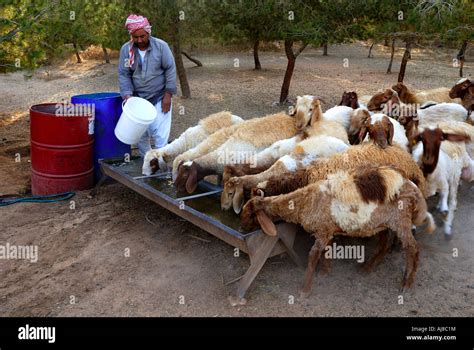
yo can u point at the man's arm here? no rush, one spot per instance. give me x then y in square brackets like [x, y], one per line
[125, 74]
[169, 67]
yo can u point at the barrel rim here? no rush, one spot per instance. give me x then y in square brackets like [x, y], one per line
[45, 114]
[88, 96]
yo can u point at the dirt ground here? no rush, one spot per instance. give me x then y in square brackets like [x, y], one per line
[119, 254]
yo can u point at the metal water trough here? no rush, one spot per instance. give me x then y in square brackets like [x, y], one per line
[203, 210]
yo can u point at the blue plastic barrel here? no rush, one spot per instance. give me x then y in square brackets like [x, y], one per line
[108, 108]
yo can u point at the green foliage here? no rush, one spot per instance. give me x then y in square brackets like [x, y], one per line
[34, 31]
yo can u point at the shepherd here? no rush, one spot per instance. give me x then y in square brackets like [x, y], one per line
[147, 69]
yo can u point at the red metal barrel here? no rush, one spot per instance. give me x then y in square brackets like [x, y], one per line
[61, 149]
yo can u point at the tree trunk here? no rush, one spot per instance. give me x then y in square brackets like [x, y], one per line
[370, 50]
[460, 57]
[106, 54]
[78, 57]
[256, 44]
[285, 88]
[403, 66]
[325, 49]
[180, 71]
[389, 69]
[192, 59]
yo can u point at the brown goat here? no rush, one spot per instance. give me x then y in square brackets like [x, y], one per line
[464, 89]
[380, 99]
[431, 139]
[349, 99]
[381, 132]
[435, 95]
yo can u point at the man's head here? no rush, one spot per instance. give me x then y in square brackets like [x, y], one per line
[141, 38]
[139, 29]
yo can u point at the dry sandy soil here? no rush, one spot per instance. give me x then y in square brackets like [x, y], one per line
[82, 251]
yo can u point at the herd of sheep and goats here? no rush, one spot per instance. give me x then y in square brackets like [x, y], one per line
[362, 168]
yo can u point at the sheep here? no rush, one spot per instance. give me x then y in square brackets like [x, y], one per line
[436, 95]
[464, 89]
[360, 121]
[304, 154]
[357, 203]
[442, 112]
[353, 157]
[382, 98]
[389, 102]
[304, 109]
[249, 137]
[208, 145]
[349, 99]
[162, 158]
[443, 164]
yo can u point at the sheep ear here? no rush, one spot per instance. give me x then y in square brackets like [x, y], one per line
[391, 131]
[154, 165]
[266, 223]
[238, 200]
[363, 133]
[455, 137]
[191, 183]
[316, 115]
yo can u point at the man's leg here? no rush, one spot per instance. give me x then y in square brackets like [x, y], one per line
[160, 128]
[144, 143]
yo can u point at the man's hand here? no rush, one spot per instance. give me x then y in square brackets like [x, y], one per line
[126, 98]
[166, 103]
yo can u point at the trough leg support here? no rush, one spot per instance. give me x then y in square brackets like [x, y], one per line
[257, 258]
[98, 184]
[260, 248]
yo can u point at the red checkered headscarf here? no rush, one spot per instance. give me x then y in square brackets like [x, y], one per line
[133, 23]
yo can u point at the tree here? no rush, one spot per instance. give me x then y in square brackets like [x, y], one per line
[21, 33]
[245, 21]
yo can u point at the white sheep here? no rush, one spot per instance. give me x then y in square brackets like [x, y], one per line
[443, 164]
[304, 110]
[442, 112]
[162, 158]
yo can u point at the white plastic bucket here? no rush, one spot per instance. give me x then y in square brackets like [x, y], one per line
[137, 114]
